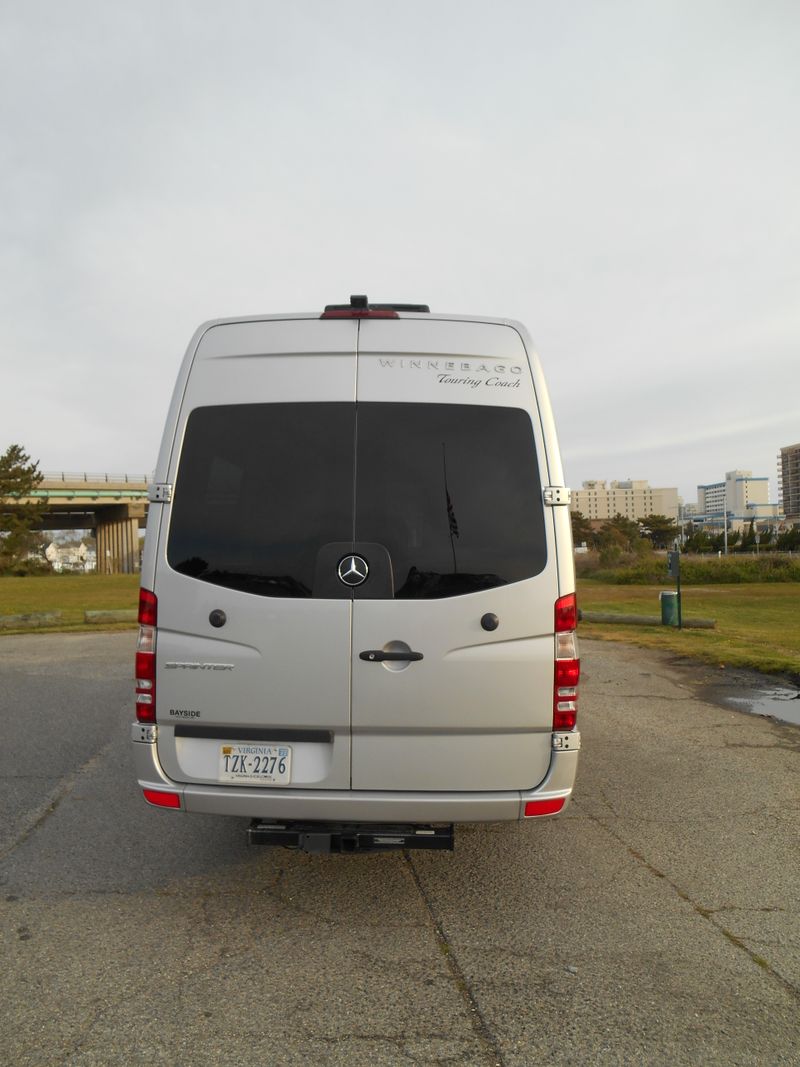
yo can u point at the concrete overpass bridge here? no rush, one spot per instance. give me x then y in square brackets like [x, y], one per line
[113, 506]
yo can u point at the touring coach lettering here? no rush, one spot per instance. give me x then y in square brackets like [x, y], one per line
[445, 379]
[506, 383]
[473, 383]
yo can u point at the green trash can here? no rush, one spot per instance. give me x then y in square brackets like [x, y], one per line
[669, 608]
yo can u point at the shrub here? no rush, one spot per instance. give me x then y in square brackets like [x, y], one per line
[695, 570]
[26, 568]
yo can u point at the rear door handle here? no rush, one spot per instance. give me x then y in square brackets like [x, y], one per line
[377, 656]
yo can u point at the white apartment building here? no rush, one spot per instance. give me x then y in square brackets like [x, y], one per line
[598, 500]
[741, 496]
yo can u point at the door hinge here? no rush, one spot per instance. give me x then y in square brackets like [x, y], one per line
[159, 492]
[567, 742]
[144, 733]
[556, 495]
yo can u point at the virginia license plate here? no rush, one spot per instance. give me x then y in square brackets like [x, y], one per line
[255, 764]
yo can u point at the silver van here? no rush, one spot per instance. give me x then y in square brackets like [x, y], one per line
[357, 614]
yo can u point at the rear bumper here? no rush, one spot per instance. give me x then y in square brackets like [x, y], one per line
[357, 805]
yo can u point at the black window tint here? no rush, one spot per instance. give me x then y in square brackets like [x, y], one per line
[260, 489]
[453, 492]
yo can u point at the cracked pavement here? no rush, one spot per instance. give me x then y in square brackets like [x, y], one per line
[655, 922]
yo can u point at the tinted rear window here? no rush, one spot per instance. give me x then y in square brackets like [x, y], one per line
[451, 491]
[259, 489]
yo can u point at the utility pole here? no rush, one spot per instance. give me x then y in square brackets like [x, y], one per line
[674, 569]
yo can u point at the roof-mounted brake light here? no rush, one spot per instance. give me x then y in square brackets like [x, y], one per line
[357, 313]
[360, 308]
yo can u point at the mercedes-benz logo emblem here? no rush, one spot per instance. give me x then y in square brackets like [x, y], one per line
[353, 570]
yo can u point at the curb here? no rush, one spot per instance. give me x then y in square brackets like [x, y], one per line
[31, 621]
[125, 615]
[645, 620]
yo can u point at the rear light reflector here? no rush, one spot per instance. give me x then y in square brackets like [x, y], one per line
[544, 807]
[162, 799]
[565, 714]
[146, 657]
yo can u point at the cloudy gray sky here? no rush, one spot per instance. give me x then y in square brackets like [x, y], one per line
[621, 176]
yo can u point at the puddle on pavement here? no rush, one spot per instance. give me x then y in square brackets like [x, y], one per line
[776, 701]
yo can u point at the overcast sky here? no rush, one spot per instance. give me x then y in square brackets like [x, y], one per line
[623, 177]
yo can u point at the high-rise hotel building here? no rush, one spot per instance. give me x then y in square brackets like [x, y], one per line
[597, 500]
[789, 483]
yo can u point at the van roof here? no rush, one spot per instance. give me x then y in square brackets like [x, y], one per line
[376, 311]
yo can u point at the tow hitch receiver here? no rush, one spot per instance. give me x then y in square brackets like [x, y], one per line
[349, 837]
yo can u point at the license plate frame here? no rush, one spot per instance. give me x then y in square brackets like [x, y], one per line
[254, 763]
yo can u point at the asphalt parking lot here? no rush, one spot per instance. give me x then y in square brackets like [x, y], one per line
[655, 922]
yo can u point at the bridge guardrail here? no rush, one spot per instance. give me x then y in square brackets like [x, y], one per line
[84, 476]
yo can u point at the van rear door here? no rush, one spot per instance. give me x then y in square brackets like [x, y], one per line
[450, 463]
[250, 648]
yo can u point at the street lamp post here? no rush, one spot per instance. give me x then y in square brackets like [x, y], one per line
[753, 509]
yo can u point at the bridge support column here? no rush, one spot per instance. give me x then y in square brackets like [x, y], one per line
[117, 543]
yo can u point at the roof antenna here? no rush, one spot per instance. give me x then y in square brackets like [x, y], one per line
[359, 302]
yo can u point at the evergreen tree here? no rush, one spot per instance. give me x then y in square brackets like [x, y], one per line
[19, 476]
[581, 528]
[622, 532]
[663, 531]
[789, 540]
[698, 540]
[749, 538]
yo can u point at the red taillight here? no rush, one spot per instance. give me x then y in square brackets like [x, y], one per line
[148, 608]
[544, 807]
[567, 670]
[146, 657]
[566, 613]
[162, 799]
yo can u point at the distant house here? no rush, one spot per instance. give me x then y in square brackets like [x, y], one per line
[80, 559]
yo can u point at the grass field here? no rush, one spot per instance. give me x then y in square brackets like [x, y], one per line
[758, 625]
[72, 595]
